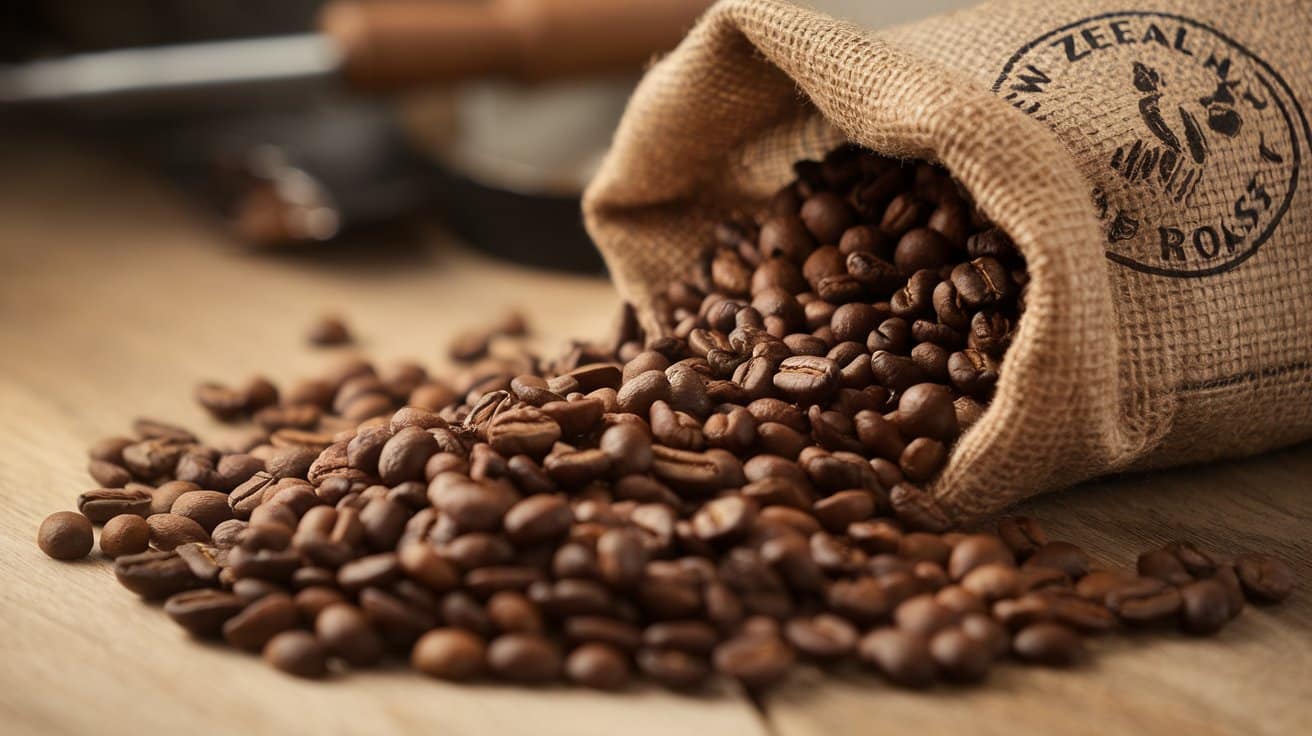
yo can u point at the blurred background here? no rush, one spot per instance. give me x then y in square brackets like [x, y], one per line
[304, 126]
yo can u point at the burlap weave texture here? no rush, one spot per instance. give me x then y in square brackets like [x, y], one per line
[1147, 158]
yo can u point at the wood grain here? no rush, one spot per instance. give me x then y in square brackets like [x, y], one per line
[116, 297]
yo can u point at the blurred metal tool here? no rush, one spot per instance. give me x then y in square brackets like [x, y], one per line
[383, 45]
[507, 107]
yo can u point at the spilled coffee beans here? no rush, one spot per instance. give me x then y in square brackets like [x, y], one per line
[739, 493]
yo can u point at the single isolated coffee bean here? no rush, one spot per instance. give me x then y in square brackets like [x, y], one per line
[65, 535]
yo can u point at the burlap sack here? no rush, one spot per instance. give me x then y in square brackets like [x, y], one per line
[1145, 156]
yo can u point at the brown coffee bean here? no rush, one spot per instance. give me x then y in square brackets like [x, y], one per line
[537, 519]
[988, 632]
[171, 530]
[297, 653]
[923, 615]
[261, 621]
[1048, 644]
[724, 518]
[375, 571]
[1142, 600]
[1062, 556]
[978, 550]
[1204, 607]
[598, 666]
[901, 656]
[1023, 535]
[993, 581]
[108, 474]
[346, 632]
[807, 379]
[756, 660]
[959, 656]
[126, 534]
[154, 575]
[65, 535]
[525, 430]
[973, 372]
[524, 658]
[917, 509]
[1164, 566]
[921, 248]
[1264, 578]
[422, 563]
[103, 504]
[922, 459]
[824, 637]
[404, 455]
[206, 508]
[203, 612]
[328, 329]
[673, 669]
[455, 654]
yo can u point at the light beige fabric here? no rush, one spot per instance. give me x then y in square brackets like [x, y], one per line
[1118, 143]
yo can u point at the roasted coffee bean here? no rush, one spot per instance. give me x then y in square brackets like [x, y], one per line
[1204, 607]
[1164, 566]
[525, 431]
[328, 330]
[171, 530]
[901, 656]
[206, 508]
[756, 660]
[917, 509]
[921, 248]
[1061, 556]
[1264, 578]
[451, 654]
[1023, 535]
[824, 637]
[673, 669]
[65, 535]
[982, 282]
[807, 379]
[101, 505]
[598, 666]
[973, 372]
[261, 621]
[741, 482]
[1142, 600]
[724, 518]
[976, 551]
[922, 459]
[923, 615]
[537, 519]
[108, 474]
[126, 534]
[203, 612]
[524, 658]
[959, 656]
[297, 653]
[346, 633]
[1048, 644]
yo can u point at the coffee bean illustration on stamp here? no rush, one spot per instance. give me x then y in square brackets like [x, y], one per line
[1194, 161]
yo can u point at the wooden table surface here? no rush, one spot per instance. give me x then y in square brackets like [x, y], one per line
[117, 296]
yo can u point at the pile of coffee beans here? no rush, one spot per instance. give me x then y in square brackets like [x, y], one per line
[737, 491]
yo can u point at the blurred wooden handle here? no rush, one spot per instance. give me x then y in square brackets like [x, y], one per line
[395, 43]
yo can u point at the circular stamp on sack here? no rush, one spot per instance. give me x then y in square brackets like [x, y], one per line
[1192, 141]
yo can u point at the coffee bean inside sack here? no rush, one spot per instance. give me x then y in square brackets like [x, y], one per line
[738, 493]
